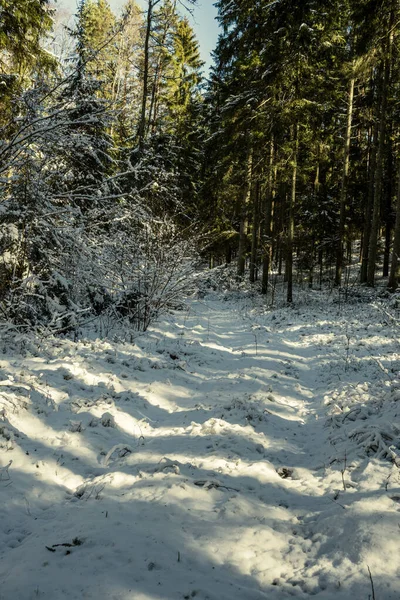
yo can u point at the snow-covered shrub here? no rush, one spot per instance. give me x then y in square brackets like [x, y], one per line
[80, 241]
[148, 273]
[41, 213]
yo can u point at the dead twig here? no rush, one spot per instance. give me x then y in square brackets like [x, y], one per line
[344, 470]
[336, 502]
[372, 584]
[213, 485]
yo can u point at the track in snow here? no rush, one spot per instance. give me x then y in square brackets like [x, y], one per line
[195, 464]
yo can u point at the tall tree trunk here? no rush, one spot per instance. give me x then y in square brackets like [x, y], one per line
[317, 185]
[152, 118]
[321, 265]
[290, 231]
[145, 82]
[255, 232]
[241, 258]
[376, 208]
[369, 204]
[394, 275]
[279, 224]
[373, 240]
[267, 221]
[389, 177]
[155, 92]
[343, 188]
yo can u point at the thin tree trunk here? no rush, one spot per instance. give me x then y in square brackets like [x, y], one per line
[394, 275]
[154, 102]
[255, 233]
[376, 208]
[316, 194]
[373, 240]
[142, 120]
[241, 258]
[388, 239]
[151, 121]
[343, 189]
[321, 266]
[368, 207]
[279, 226]
[390, 176]
[267, 222]
[290, 232]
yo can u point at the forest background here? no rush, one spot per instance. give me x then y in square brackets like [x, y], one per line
[122, 169]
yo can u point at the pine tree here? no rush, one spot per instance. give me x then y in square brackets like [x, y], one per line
[88, 151]
[126, 86]
[183, 75]
[98, 26]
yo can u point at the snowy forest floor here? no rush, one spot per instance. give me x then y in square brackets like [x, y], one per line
[230, 453]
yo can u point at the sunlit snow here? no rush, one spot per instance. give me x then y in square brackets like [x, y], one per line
[230, 453]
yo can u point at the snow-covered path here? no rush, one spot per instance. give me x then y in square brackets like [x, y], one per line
[221, 457]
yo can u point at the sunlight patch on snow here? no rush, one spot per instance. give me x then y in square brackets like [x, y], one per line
[48, 471]
[218, 427]
[117, 480]
[128, 424]
[52, 473]
[171, 335]
[256, 550]
[44, 435]
[277, 355]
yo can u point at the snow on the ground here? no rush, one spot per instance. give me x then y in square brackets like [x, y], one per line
[231, 453]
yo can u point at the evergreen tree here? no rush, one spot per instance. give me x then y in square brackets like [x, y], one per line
[22, 28]
[183, 75]
[88, 150]
[98, 30]
[126, 87]
[274, 64]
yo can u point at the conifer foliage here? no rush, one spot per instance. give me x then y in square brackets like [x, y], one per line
[303, 144]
